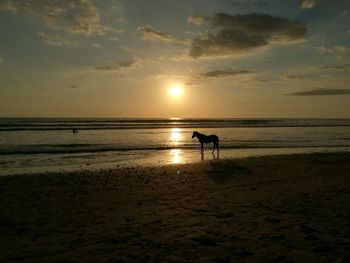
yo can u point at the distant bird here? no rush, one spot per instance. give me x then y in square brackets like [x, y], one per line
[207, 139]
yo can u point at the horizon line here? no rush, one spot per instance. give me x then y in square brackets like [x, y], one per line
[160, 118]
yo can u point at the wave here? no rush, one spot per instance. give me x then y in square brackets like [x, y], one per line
[40, 124]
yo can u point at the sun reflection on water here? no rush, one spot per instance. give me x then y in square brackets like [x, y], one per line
[175, 136]
[175, 139]
[175, 156]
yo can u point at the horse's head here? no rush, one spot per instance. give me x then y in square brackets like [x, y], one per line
[194, 134]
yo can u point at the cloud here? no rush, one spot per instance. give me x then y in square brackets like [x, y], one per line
[264, 80]
[191, 83]
[343, 66]
[223, 73]
[341, 49]
[113, 38]
[117, 68]
[235, 34]
[52, 39]
[9, 6]
[322, 92]
[324, 50]
[96, 45]
[335, 49]
[249, 4]
[308, 4]
[295, 77]
[14, 7]
[197, 20]
[74, 86]
[75, 16]
[125, 48]
[150, 33]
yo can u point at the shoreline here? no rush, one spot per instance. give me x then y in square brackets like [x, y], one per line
[66, 163]
[271, 208]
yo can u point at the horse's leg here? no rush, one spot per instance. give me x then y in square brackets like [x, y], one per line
[213, 146]
[202, 151]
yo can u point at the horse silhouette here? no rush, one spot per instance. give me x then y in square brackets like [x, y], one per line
[207, 139]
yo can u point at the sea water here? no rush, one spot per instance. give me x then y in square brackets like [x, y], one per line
[31, 145]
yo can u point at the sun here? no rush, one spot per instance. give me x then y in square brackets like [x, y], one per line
[175, 91]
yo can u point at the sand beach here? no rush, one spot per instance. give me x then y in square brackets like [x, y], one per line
[287, 208]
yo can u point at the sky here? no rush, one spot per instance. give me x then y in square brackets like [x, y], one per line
[229, 58]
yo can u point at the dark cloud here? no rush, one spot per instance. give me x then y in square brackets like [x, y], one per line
[232, 34]
[261, 24]
[223, 73]
[74, 86]
[226, 42]
[321, 92]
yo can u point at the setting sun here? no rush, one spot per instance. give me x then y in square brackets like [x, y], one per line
[175, 91]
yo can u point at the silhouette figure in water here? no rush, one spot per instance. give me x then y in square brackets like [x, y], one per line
[207, 139]
[75, 131]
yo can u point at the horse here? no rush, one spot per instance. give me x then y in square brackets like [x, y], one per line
[207, 139]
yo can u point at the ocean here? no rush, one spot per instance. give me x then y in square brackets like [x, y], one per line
[37, 145]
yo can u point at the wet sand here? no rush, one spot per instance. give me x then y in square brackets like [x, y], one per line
[287, 208]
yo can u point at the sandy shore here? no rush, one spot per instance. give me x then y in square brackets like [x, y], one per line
[290, 208]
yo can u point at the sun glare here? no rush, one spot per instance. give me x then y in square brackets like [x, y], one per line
[175, 91]
[175, 135]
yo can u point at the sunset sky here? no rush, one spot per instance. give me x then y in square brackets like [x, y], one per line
[228, 58]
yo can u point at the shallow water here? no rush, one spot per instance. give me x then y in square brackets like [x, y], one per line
[39, 145]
